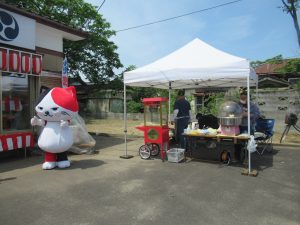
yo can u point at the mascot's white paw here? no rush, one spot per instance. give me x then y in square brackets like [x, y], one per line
[63, 164]
[64, 123]
[36, 121]
[49, 165]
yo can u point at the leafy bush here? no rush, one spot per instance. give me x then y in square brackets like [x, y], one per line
[134, 107]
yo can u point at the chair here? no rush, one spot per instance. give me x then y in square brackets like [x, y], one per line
[264, 130]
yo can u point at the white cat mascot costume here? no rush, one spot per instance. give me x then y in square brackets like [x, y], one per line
[55, 109]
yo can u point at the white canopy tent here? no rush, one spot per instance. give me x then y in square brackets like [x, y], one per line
[195, 65]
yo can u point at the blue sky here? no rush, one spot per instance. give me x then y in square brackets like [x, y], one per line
[252, 29]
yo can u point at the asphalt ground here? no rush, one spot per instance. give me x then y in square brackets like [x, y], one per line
[102, 188]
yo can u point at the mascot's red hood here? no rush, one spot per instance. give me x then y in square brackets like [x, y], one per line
[65, 97]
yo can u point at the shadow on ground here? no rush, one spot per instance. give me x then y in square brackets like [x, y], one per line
[12, 160]
[7, 179]
[264, 161]
[85, 164]
[105, 141]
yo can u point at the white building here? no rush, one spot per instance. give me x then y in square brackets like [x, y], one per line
[31, 55]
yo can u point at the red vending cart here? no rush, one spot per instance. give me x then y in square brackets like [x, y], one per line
[156, 130]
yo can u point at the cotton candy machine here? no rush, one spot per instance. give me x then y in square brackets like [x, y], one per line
[230, 118]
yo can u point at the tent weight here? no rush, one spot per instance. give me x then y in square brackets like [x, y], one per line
[253, 173]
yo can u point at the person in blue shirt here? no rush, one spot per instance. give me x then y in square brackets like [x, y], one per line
[254, 112]
[182, 116]
[254, 115]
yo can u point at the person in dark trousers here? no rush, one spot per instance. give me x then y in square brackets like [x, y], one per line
[182, 116]
[254, 112]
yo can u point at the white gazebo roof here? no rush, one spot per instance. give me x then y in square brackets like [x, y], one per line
[194, 65]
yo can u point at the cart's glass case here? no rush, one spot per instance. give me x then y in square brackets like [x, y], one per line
[156, 112]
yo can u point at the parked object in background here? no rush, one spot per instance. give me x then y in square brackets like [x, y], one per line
[263, 134]
[291, 119]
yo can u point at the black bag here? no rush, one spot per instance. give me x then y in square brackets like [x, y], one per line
[206, 121]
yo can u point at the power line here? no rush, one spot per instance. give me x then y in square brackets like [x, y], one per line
[100, 5]
[175, 17]
[87, 22]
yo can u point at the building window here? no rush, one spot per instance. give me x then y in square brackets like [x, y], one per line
[199, 104]
[15, 102]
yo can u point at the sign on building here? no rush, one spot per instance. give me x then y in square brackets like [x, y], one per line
[17, 30]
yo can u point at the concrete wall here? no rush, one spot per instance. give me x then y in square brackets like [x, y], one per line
[117, 116]
[95, 106]
[275, 104]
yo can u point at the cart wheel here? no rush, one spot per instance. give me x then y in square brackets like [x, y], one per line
[225, 157]
[154, 149]
[144, 152]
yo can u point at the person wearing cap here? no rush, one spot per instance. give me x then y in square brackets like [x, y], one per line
[254, 112]
[182, 116]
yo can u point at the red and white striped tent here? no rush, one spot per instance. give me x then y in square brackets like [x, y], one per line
[17, 140]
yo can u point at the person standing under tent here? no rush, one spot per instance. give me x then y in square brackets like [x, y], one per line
[254, 112]
[182, 116]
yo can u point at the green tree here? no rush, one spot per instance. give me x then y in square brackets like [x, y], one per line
[275, 60]
[291, 7]
[289, 66]
[94, 57]
[292, 66]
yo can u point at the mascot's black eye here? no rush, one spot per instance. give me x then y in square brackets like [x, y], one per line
[40, 108]
[55, 108]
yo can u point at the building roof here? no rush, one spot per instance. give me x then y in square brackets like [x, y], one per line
[268, 69]
[272, 82]
[76, 34]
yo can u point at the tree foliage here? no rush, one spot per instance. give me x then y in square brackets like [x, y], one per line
[94, 57]
[290, 66]
[291, 7]
[275, 60]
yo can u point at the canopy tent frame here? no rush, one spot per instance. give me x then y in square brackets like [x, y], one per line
[175, 72]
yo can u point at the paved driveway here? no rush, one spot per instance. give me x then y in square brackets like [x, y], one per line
[104, 189]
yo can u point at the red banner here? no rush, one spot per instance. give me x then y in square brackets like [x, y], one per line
[16, 140]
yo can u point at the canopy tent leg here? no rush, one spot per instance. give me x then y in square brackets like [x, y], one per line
[248, 111]
[126, 156]
[245, 171]
[170, 88]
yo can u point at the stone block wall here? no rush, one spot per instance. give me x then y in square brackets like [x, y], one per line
[275, 104]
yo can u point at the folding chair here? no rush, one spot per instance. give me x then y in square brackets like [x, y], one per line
[264, 130]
